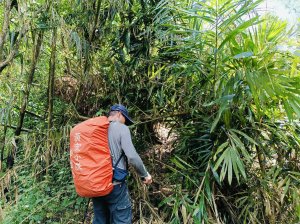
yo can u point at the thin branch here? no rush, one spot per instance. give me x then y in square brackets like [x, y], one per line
[10, 57]
[14, 127]
[30, 113]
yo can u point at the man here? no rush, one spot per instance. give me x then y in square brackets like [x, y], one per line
[116, 207]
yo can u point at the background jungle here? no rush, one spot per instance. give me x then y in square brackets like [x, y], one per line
[213, 85]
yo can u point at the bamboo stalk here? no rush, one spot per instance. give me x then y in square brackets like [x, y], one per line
[36, 52]
[5, 26]
[51, 96]
[35, 56]
[3, 146]
[51, 78]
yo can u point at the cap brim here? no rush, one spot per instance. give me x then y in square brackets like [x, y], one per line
[128, 120]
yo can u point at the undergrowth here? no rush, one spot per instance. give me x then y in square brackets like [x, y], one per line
[42, 191]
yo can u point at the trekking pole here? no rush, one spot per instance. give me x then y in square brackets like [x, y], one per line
[86, 211]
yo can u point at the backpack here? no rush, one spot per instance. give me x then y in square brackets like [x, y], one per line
[90, 158]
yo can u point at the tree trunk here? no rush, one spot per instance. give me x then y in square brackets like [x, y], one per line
[36, 52]
[5, 26]
[50, 97]
[51, 79]
[68, 70]
[96, 21]
[5, 61]
[3, 146]
[261, 159]
[87, 63]
[86, 69]
[35, 56]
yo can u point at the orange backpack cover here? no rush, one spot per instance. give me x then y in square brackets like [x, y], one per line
[90, 158]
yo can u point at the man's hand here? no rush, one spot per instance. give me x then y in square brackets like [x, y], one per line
[147, 179]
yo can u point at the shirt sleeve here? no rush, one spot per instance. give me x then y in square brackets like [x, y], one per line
[133, 158]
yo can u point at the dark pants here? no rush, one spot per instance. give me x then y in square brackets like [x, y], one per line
[114, 208]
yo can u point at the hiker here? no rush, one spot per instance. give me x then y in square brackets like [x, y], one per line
[116, 207]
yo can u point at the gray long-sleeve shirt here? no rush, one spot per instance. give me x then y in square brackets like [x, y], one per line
[119, 139]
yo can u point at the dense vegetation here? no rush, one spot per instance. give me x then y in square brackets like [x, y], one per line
[210, 75]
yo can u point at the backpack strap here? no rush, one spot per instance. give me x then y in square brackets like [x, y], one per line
[123, 154]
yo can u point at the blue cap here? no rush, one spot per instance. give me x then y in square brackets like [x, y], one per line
[124, 111]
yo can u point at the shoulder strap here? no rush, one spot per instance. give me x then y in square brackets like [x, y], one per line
[123, 154]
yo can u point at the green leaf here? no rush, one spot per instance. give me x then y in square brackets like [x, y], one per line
[246, 54]
[221, 158]
[240, 165]
[288, 109]
[237, 142]
[77, 41]
[216, 121]
[285, 189]
[238, 30]
[180, 163]
[229, 162]
[234, 158]
[215, 174]
[220, 149]
[295, 106]
[297, 53]
[244, 135]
